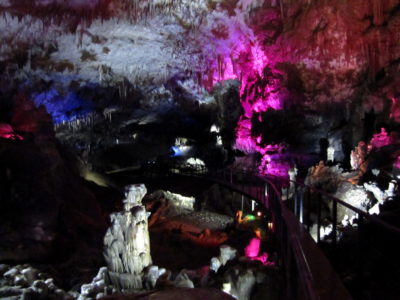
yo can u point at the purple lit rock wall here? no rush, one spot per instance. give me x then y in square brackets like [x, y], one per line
[315, 55]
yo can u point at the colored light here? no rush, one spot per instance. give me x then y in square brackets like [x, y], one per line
[250, 218]
[253, 248]
[7, 132]
[381, 139]
[397, 163]
[176, 151]
[63, 108]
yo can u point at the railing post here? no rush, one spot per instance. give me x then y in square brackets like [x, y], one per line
[255, 189]
[301, 205]
[334, 229]
[319, 204]
[308, 193]
[295, 201]
[360, 248]
[287, 261]
[288, 192]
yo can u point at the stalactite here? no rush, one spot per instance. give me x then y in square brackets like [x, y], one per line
[56, 13]
[219, 67]
[377, 9]
[282, 9]
[388, 55]
[379, 51]
[123, 89]
[370, 57]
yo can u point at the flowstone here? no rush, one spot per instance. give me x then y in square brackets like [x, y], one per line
[127, 242]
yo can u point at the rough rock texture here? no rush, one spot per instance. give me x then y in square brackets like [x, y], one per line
[380, 195]
[167, 204]
[99, 287]
[182, 281]
[26, 282]
[241, 285]
[354, 195]
[246, 280]
[47, 212]
[358, 156]
[151, 276]
[127, 242]
[229, 109]
[226, 253]
[324, 177]
[335, 54]
[303, 57]
[207, 219]
[330, 47]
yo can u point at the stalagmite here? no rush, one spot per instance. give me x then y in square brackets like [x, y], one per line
[226, 253]
[330, 153]
[127, 242]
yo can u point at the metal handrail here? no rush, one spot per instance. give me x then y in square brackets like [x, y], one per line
[290, 239]
[372, 218]
[305, 194]
[302, 192]
[271, 178]
[299, 255]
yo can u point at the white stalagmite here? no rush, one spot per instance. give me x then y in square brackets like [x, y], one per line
[127, 242]
[381, 196]
[226, 253]
[330, 154]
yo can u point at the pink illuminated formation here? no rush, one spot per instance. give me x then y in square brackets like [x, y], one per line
[224, 70]
[241, 56]
[274, 164]
[397, 162]
[257, 96]
[395, 110]
[381, 139]
[253, 248]
[252, 251]
[7, 132]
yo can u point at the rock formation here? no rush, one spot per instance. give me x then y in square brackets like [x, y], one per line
[358, 155]
[26, 282]
[226, 253]
[99, 287]
[127, 242]
[151, 276]
[354, 195]
[380, 195]
[240, 283]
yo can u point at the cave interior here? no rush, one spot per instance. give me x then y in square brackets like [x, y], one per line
[141, 142]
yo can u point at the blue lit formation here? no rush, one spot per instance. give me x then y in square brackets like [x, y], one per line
[63, 108]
